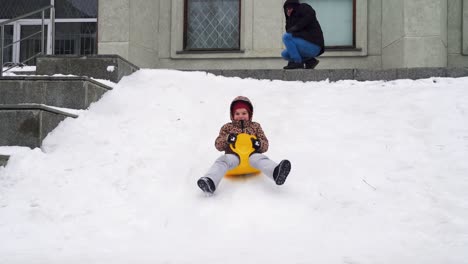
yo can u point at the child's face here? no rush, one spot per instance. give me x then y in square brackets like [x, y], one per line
[241, 114]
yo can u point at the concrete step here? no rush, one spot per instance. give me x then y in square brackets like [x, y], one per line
[29, 73]
[107, 67]
[65, 92]
[28, 124]
[343, 74]
[4, 160]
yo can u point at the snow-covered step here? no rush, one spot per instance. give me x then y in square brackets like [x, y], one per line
[3, 160]
[107, 67]
[343, 74]
[60, 91]
[28, 73]
[28, 124]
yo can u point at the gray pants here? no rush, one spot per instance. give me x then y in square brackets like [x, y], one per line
[230, 161]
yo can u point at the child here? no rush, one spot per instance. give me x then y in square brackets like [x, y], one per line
[241, 117]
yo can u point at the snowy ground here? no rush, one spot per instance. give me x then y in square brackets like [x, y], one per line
[380, 175]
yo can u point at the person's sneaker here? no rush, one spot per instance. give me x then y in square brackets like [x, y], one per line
[206, 184]
[293, 65]
[311, 63]
[281, 172]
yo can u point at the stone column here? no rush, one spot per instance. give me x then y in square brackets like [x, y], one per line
[114, 27]
[414, 33]
[144, 23]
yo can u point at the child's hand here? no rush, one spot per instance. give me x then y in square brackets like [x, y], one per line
[232, 138]
[255, 143]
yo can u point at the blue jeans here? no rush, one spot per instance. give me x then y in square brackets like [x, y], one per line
[297, 49]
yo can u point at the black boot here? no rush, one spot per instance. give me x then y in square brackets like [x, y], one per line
[281, 172]
[293, 65]
[311, 63]
[206, 184]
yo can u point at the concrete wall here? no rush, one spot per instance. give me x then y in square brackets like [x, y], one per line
[345, 74]
[414, 33]
[130, 29]
[66, 92]
[4, 160]
[389, 34]
[27, 125]
[106, 67]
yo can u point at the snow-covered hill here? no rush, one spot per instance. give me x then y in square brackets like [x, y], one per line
[379, 175]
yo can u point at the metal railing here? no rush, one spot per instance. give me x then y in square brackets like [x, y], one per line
[42, 32]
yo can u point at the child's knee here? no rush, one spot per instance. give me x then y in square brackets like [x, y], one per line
[232, 160]
[254, 158]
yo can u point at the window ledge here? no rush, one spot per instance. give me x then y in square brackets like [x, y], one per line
[344, 52]
[266, 54]
[342, 49]
[209, 52]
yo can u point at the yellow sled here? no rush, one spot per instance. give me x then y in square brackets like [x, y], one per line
[243, 148]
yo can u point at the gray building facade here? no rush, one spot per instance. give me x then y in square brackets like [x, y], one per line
[382, 34]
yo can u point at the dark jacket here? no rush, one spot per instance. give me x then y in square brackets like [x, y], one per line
[237, 127]
[303, 23]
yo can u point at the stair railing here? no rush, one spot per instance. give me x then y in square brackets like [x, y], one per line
[42, 32]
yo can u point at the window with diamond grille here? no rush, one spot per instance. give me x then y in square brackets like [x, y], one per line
[212, 24]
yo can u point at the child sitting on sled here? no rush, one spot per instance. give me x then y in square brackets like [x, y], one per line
[241, 116]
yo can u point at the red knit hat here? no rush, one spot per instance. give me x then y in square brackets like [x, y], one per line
[241, 104]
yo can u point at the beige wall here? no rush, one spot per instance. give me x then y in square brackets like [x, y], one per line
[390, 33]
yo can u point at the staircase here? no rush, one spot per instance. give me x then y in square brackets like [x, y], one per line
[32, 106]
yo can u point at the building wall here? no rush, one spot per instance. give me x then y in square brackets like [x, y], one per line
[389, 34]
[457, 33]
[415, 33]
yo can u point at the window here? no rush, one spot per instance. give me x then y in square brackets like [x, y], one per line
[76, 8]
[13, 8]
[8, 52]
[75, 28]
[212, 25]
[32, 46]
[75, 38]
[337, 19]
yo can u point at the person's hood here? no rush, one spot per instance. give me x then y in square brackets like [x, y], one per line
[245, 100]
[291, 2]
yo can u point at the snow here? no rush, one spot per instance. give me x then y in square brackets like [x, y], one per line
[21, 69]
[379, 175]
[110, 68]
[105, 82]
[12, 150]
[66, 110]
[33, 68]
